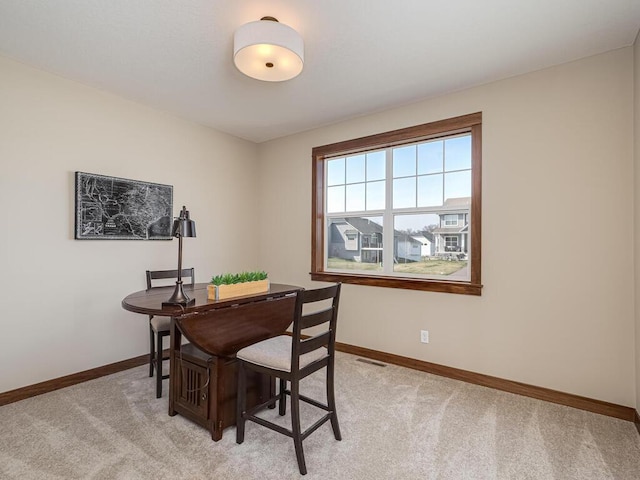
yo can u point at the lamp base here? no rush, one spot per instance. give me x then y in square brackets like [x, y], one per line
[179, 297]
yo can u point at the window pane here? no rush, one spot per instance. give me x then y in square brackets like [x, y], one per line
[457, 153]
[376, 166]
[404, 192]
[416, 223]
[421, 248]
[430, 157]
[430, 191]
[355, 169]
[355, 243]
[335, 199]
[404, 161]
[335, 171]
[355, 197]
[375, 196]
[457, 185]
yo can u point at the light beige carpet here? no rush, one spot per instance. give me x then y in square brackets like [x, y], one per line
[396, 424]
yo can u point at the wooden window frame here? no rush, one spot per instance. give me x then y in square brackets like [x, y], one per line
[471, 123]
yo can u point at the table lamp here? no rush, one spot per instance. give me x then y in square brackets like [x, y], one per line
[183, 226]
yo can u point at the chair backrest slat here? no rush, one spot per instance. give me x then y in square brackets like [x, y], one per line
[164, 274]
[316, 318]
[327, 317]
[318, 294]
[310, 344]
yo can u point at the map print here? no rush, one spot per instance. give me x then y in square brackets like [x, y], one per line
[120, 209]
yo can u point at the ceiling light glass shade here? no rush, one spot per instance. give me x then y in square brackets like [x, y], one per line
[268, 50]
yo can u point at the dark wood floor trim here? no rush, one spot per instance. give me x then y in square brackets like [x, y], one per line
[62, 382]
[637, 421]
[541, 393]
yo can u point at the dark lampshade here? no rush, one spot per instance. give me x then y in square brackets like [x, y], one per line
[183, 226]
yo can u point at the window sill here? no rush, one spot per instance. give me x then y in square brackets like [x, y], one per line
[462, 288]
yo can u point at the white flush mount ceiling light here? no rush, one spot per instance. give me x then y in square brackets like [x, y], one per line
[268, 50]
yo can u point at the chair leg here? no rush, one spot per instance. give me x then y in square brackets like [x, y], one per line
[152, 351]
[331, 402]
[295, 425]
[240, 403]
[282, 397]
[159, 366]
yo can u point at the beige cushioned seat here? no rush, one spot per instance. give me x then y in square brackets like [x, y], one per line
[160, 324]
[276, 353]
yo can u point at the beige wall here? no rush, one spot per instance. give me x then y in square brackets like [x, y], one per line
[557, 309]
[61, 297]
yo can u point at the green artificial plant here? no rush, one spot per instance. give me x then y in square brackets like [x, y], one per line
[243, 277]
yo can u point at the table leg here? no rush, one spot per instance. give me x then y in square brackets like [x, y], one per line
[174, 347]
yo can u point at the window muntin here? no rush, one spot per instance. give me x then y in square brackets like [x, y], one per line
[355, 244]
[407, 180]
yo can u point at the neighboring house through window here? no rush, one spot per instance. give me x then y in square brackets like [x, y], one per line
[401, 209]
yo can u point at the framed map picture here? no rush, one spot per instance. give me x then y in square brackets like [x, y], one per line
[111, 208]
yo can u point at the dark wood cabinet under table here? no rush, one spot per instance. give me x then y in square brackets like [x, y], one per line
[205, 389]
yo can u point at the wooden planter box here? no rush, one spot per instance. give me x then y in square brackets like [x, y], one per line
[220, 292]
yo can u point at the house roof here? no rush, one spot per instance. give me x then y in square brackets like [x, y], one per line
[455, 205]
[457, 202]
[364, 225]
[421, 238]
[428, 235]
[450, 230]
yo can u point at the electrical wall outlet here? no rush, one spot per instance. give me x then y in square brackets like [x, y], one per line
[424, 336]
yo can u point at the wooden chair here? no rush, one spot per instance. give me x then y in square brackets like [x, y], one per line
[159, 326]
[292, 358]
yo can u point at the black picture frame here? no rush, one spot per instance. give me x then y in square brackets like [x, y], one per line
[112, 208]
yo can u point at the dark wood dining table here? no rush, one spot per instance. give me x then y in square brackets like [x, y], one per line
[149, 301]
[215, 330]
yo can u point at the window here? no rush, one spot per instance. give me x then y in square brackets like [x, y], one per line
[391, 209]
[451, 243]
[451, 220]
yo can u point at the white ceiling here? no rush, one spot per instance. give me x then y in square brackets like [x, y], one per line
[361, 56]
